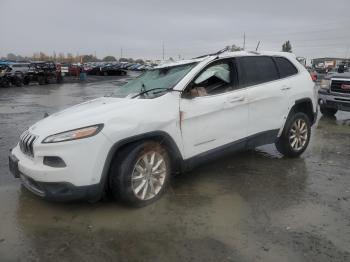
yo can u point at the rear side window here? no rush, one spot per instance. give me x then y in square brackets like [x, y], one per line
[254, 70]
[285, 67]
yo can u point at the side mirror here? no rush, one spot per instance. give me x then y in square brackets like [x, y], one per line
[187, 95]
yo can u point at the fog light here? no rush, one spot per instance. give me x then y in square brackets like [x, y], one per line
[54, 161]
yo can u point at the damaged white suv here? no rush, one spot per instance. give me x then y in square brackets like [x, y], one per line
[166, 121]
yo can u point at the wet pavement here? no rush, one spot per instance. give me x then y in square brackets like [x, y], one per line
[252, 206]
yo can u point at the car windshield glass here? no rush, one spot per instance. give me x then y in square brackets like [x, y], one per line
[160, 78]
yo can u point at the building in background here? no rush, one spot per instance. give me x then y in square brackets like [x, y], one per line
[328, 63]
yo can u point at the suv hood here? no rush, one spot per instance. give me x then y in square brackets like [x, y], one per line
[85, 114]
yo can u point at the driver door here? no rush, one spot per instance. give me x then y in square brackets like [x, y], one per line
[214, 112]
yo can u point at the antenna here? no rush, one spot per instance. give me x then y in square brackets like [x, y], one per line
[244, 41]
[256, 49]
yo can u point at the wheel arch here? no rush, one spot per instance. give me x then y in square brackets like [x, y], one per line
[303, 105]
[158, 136]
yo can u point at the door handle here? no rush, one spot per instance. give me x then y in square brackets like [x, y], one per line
[236, 99]
[285, 88]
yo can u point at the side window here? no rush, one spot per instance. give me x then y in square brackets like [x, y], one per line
[285, 67]
[215, 79]
[254, 70]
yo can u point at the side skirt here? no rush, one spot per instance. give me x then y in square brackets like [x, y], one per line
[251, 142]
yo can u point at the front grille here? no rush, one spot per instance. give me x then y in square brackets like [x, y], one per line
[341, 86]
[26, 143]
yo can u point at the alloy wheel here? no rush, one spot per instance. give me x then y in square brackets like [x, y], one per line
[149, 175]
[298, 135]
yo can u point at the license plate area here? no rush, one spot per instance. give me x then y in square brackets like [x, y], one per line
[13, 165]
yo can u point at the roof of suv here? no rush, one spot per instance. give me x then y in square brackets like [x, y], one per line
[226, 55]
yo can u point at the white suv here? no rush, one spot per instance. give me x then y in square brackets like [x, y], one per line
[166, 121]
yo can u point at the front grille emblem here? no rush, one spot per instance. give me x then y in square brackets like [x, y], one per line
[345, 87]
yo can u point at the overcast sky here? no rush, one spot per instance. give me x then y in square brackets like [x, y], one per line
[188, 28]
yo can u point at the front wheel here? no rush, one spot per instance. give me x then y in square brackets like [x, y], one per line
[295, 136]
[140, 173]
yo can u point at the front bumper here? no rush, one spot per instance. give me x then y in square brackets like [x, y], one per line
[55, 191]
[60, 191]
[331, 100]
[79, 179]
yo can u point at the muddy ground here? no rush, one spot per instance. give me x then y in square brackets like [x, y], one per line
[252, 206]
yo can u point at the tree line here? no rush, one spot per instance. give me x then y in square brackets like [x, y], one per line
[68, 58]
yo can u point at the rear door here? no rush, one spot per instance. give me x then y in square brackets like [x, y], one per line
[266, 94]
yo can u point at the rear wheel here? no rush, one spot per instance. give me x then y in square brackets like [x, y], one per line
[295, 136]
[327, 111]
[140, 173]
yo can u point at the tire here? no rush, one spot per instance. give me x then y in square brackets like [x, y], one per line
[297, 125]
[127, 184]
[4, 83]
[327, 111]
[26, 81]
[17, 81]
[41, 80]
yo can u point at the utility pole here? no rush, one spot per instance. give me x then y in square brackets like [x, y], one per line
[121, 52]
[163, 50]
[244, 41]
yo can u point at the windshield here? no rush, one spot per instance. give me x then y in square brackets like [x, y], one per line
[161, 78]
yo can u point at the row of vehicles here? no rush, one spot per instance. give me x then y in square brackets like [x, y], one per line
[22, 73]
[102, 68]
[113, 68]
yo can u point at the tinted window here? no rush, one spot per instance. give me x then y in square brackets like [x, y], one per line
[285, 67]
[256, 70]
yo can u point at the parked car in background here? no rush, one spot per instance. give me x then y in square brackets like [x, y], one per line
[14, 73]
[167, 121]
[106, 70]
[74, 70]
[334, 93]
[19, 71]
[41, 72]
[5, 80]
[112, 70]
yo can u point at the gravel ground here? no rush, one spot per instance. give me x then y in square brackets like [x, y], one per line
[252, 206]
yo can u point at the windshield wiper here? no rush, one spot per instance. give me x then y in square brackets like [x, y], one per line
[152, 89]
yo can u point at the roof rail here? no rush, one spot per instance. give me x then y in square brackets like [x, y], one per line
[254, 52]
[217, 53]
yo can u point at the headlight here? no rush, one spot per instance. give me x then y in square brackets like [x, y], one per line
[325, 84]
[75, 134]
